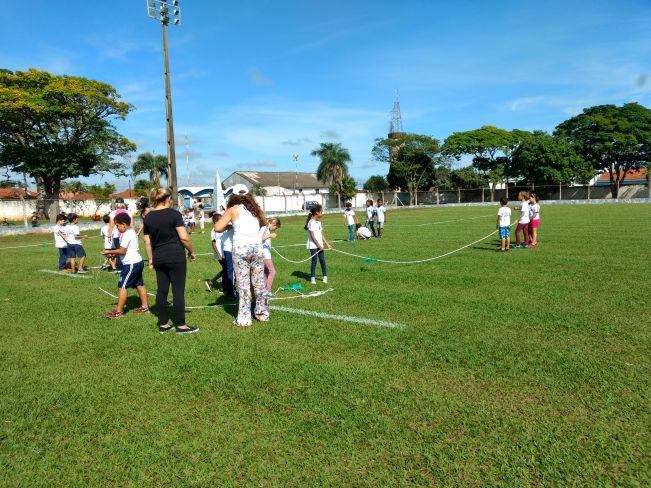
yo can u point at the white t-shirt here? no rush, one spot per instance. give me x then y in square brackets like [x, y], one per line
[524, 208]
[217, 237]
[370, 213]
[129, 240]
[317, 229]
[504, 213]
[533, 210]
[105, 235]
[364, 232]
[266, 243]
[72, 230]
[350, 216]
[227, 240]
[59, 241]
[246, 229]
[380, 213]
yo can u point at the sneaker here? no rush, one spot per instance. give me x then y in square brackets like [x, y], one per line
[164, 328]
[82, 271]
[325, 279]
[237, 324]
[209, 285]
[114, 314]
[517, 246]
[141, 310]
[189, 330]
[116, 271]
[313, 281]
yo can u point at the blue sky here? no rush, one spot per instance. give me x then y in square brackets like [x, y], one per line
[254, 82]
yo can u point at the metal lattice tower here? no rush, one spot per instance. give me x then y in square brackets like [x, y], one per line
[396, 118]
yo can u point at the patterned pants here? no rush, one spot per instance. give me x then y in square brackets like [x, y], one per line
[248, 262]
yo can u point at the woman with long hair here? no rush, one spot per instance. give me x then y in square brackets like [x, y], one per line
[165, 240]
[248, 259]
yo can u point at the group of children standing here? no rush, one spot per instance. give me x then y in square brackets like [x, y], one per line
[375, 216]
[67, 240]
[528, 222]
[222, 245]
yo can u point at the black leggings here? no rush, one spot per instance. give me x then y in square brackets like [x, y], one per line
[174, 274]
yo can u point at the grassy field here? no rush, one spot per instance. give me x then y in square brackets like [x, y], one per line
[530, 367]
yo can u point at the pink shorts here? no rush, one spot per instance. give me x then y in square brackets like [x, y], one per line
[534, 224]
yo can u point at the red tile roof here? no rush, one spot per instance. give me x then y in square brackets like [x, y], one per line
[130, 193]
[16, 194]
[631, 174]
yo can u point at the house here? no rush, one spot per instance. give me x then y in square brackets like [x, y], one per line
[278, 183]
[16, 194]
[633, 177]
[196, 194]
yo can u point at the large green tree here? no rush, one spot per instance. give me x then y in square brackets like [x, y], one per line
[611, 138]
[491, 149]
[333, 167]
[376, 183]
[544, 159]
[57, 127]
[154, 165]
[411, 157]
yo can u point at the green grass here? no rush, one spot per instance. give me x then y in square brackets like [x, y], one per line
[524, 368]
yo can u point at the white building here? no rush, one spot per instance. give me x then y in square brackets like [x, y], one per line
[278, 183]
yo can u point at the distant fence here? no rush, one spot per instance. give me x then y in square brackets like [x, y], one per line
[18, 210]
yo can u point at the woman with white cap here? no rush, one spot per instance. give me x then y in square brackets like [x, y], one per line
[248, 259]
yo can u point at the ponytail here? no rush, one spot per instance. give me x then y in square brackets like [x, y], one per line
[313, 211]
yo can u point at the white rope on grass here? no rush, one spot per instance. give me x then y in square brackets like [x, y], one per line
[415, 261]
[292, 261]
[60, 273]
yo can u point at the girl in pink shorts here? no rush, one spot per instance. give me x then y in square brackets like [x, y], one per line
[534, 222]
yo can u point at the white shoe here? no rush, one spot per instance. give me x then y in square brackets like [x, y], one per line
[313, 281]
[325, 279]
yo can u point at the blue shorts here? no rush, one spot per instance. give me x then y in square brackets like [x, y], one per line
[131, 275]
[505, 232]
[75, 251]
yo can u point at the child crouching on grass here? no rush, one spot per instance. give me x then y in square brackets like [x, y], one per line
[131, 274]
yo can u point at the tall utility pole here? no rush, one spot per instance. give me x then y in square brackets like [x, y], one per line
[164, 11]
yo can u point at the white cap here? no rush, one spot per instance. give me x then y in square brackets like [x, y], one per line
[240, 189]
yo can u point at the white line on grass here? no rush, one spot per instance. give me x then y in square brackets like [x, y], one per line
[69, 275]
[343, 318]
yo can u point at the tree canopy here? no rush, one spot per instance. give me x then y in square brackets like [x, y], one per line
[57, 127]
[543, 159]
[611, 138]
[333, 167]
[376, 183]
[154, 165]
[411, 158]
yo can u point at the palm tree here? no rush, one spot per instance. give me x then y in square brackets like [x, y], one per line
[155, 165]
[333, 168]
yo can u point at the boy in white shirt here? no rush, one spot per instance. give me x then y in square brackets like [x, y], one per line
[504, 224]
[350, 219]
[132, 267]
[218, 253]
[75, 249]
[370, 217]
[381, 217]
[61, 240]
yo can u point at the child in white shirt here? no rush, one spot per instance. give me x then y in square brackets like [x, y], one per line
[75, 249]
[504, 224]
[381, 217]
[132, 267]
[61, 240]
[534, 220]
[370, 217]
[315, 242]
[350, 219]
[108, 243]
[523, 220]
[218, 253]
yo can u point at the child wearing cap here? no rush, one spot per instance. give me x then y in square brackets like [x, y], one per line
[132, 267]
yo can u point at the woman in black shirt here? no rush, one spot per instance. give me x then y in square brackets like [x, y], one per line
[165, 239]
